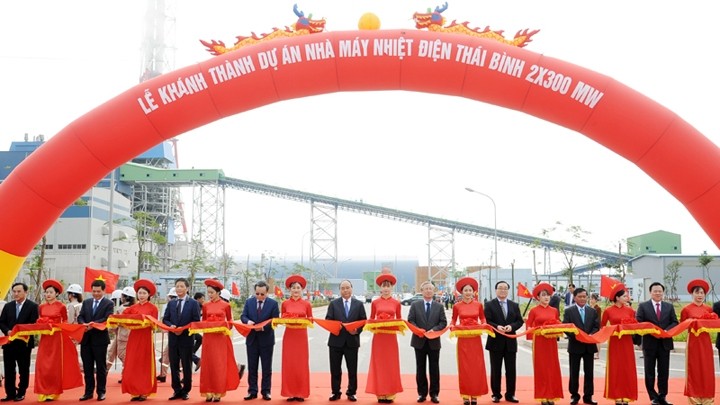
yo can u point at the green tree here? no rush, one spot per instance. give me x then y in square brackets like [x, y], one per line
[147, 235]
[705, 261]
[36, 270]
[671, 277]
[197, 262]
[225, 265]
[568, 249]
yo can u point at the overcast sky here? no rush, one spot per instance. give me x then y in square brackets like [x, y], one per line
[410, 151]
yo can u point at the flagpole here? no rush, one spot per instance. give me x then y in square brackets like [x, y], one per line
[526, 307]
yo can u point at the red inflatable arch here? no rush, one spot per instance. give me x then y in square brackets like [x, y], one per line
[667, 148]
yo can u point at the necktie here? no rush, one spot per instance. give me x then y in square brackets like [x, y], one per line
[179, 307]
[18, 307]
[259, 307]
[503, 305]
[582, 314]
[347, 308]
[657, 310]
[427, 309]
[95, 305]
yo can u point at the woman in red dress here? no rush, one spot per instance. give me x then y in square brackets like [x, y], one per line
[546, 364]
[57, 367]
[700, 381]
[138, 374]
[470, 354]
[221, 373]
[296, 359]
[384, 374]
[620, 372]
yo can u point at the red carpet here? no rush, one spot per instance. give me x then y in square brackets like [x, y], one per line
[320, 391]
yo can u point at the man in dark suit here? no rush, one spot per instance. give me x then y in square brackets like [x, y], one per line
[716, 309]
[569, 295]
[346, 344]
[657, 351]
[260, 344]
[19, 311]
[586, 319]
[180, 312]
[427, 314]
[504, 315]
[94, 344]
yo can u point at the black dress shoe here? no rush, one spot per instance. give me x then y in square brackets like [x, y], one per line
[300, 399]
[434, 400]
[495, 399]
[291, 399]
[664, 402]
[241, 371]
[86, 397]
[512, 399]
[266, 397]
[250, 396]
[574, 401]
[421, 399]
[655, 402]
[8, 399]
[19, 398]
[161, 378]
[352, 398]
[334, 397]
[175, 396]
[101, 397]
[185, 396]
[590, 402]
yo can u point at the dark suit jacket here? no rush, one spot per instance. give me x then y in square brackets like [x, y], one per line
[190, 313]
[435, 320]
[28, 314]
[668, 319]
[716, 309]
[555, 302]
[591, 325]
[494, 317]
[336, 312]
[270, 309]
[95, 337]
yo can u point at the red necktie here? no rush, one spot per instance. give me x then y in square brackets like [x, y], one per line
[657, 310]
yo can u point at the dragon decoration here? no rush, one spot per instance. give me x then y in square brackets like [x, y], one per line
[432, 20]
[303, 26]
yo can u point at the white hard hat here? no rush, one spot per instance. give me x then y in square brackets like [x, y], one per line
[172, 292]
[129, 291]
[225, 294]
[74, 288]
[116, 294]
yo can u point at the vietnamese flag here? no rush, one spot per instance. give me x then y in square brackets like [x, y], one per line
[522, 291]
[278, 292]
[606, 285]
[109, 278]
[235, 291]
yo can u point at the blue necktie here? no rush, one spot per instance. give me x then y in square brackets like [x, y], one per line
[582, 314]
[347, 308]
[427, 309]
[95, 305]
[17, 311]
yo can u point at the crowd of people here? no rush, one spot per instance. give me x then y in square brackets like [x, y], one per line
[204, 319]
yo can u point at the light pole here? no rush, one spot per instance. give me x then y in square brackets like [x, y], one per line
[494, 226]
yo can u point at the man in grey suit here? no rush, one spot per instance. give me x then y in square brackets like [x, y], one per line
[586, 319]
[656, 351]
[428, 315]
[346, 344]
